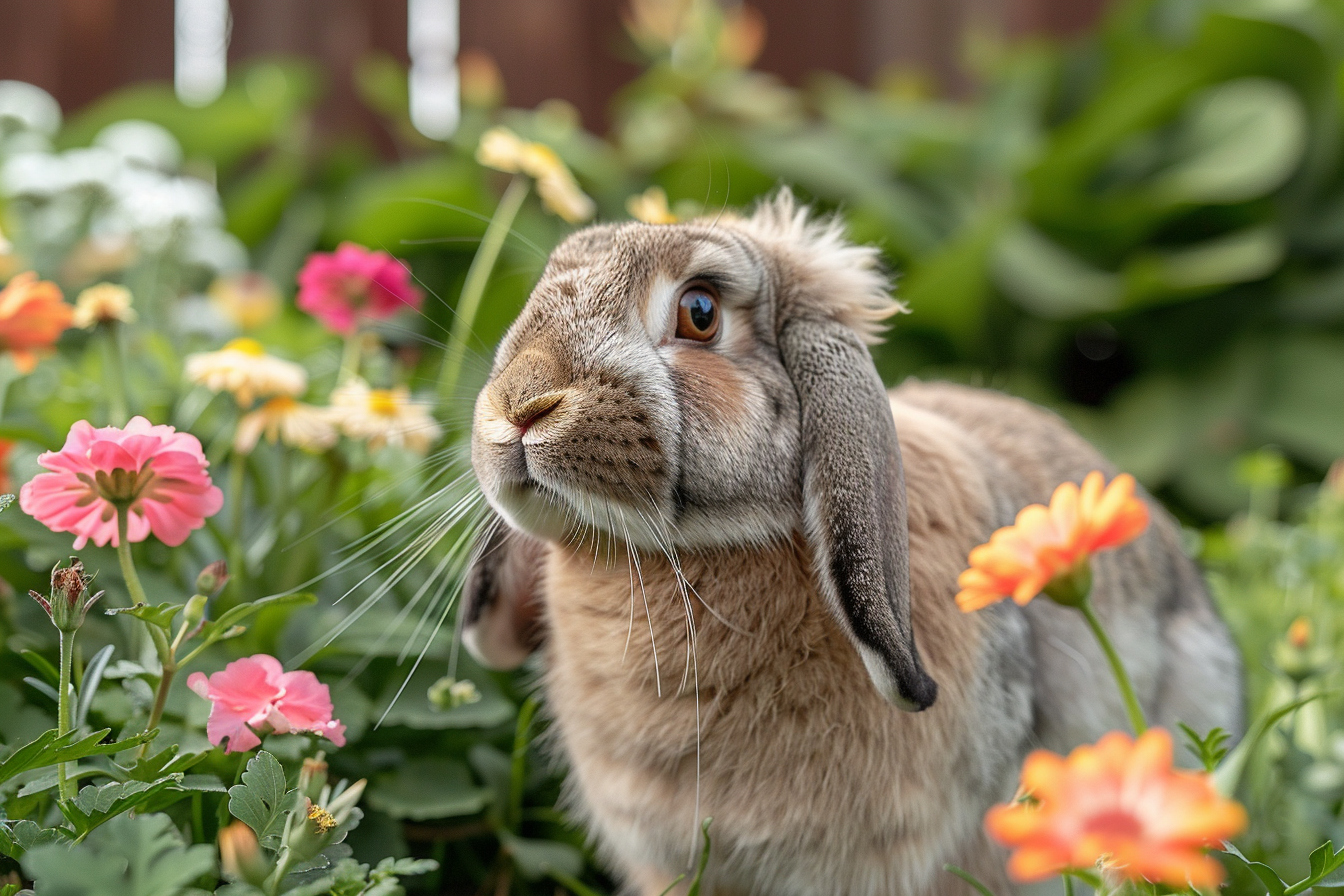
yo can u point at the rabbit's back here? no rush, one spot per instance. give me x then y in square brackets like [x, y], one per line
[1149, 594]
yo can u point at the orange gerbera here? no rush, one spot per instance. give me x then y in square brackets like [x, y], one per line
[1046, 543]
[32, 317]
[1120, 803]
[6, 447]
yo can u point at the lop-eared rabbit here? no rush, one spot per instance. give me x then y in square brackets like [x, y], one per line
[738, 553]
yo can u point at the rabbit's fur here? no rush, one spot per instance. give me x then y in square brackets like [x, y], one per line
[740, 505]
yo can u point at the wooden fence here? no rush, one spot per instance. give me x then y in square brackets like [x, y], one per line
[80, 49]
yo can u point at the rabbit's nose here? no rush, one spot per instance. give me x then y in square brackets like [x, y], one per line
[526, 413]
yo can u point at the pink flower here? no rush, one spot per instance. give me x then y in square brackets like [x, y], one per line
[255, 693]
[155, 472]
[339, 288]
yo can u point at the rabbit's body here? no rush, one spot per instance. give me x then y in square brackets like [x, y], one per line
[775, 683]
[736, 571]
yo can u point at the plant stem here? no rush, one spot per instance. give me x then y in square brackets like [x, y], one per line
[118, 408]
[519, 765]
[124, 558]
[66, 786]
[1132, 707]
[237, 557]
[478, 275]
[160, 695]
[351, 356]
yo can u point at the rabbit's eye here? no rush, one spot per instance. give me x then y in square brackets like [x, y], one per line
[698, 314]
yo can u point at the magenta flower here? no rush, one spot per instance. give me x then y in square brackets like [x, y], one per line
[255, 694]
[340, 288]
[155, 473]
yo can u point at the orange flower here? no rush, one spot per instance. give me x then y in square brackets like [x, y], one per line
[32, 318]
[1045, 543]
[1120, 803]
[6, 447]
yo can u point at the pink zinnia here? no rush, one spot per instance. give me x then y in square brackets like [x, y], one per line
[340, 288]
[155, 472]
[256, 694]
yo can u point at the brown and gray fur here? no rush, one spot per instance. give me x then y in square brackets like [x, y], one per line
[739, 581]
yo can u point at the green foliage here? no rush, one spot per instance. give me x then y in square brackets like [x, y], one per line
[1210, 749]
[94, 806]
[53, 748]
[263, 799]
[140, 856]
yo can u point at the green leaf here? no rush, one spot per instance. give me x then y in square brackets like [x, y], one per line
[88, 685]
[165, 762]
[1273, 884]
[141, 856]
[535, 859]
[262, 799]
[51, 749]
[18, 837]
[159, 614]
[94, 806]
[218, 629]
[1208, 749]
[1228, 774]
[704, 860]
[1238, 140]
[425, 788]
[1046, 279]
[42, 665]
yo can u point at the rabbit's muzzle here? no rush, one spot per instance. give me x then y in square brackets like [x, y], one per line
[582, 440]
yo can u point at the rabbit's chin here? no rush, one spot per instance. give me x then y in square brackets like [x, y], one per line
[566, 515]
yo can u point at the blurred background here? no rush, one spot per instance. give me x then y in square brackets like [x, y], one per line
[1130, 211]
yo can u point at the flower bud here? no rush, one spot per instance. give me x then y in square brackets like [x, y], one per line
[449, 693]
[194, 611]
[313, 776]
[70, 601]
[344, 802]
[240, 856]
[212, 578]
[1299, 633]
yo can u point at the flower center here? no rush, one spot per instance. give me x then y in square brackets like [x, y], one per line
[246, 346]
[123, 487]
[383, 402]
[281, 404]
[1115, 824]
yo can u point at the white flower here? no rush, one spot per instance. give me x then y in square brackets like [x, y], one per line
[103, 303]
[243, 368]
[283, 419]
[384, 416]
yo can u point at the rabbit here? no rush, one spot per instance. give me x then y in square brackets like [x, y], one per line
[737, 554]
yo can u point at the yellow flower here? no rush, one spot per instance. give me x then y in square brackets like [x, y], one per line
[243, 368]
[503, 150]
[248, 299]
[283, 419]
[103, 303]
[650, 207]
[383, 416]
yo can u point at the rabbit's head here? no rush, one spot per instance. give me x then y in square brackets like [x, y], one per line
[704, 385]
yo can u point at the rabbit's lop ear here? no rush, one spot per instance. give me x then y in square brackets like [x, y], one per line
[502, 612]
[832, 301]
[854, 502]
